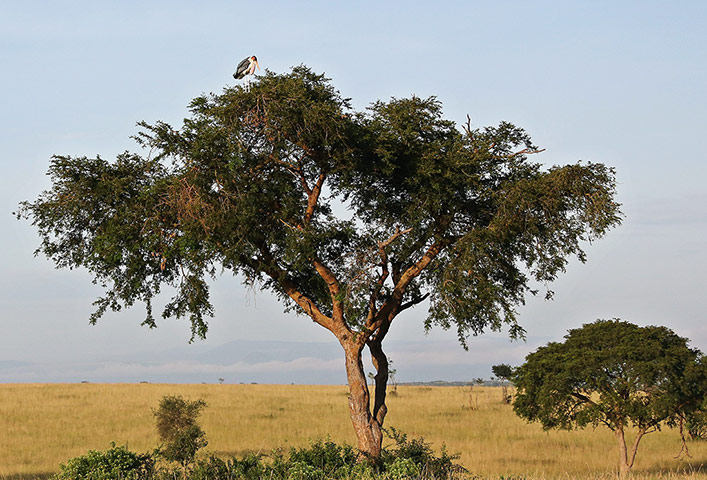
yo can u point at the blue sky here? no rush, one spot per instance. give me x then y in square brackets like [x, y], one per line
[616, 82]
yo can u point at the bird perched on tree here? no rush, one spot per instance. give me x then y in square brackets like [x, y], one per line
[246, 69]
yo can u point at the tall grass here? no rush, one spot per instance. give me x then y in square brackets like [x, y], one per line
[44, 425]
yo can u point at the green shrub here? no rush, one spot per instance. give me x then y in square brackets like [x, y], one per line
[330, 459]
[177, 426]
[402, 468]
[114, 463]
[420, 453]
[214, 468]
[411, 459]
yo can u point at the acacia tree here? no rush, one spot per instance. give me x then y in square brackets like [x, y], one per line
[350, 218]
[612, 373]
[503, 372]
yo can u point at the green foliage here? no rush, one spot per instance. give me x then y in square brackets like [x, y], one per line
[326, 457]
[177, 426]
[322, 460]
[250, 467]
[502, 371]
[613, 373]
[419, 453]
[696, 425]
[114, 463]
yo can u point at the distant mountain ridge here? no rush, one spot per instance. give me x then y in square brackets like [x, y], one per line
[252, 352]
[245, 351]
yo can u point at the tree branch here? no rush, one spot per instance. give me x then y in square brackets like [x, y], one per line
[334, 290]
[279, 276]
[413, 302]
[525, 151]
[398, 233]
[385, 272]
[312, 196]
[392, 305]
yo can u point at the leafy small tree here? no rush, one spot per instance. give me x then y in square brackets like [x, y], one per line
[254, 182]
[177, 426]
[392, 378]
[613, 373]
[503, 372]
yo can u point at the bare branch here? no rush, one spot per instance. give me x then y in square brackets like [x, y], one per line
[467, 126]
[273, 270]
[385, 272]
[398, 233]
[413, 302]
[393, 304]
[525, 151]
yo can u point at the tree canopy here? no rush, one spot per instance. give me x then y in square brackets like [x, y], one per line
[613, 373]
[349, 217]
[502, 371]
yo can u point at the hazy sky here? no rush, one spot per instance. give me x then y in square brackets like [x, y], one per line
[622, 83]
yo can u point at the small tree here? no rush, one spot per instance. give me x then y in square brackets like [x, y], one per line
[613, 373]
[178, 429]
[503, 372]
[391, 377]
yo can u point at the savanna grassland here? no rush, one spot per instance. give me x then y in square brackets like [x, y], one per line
[43, 425]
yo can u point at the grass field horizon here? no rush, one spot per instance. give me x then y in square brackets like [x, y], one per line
[43, 425]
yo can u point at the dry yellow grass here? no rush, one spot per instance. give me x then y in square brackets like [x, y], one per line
[44, 425]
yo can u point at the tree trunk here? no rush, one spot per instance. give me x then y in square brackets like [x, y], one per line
[634, 448]
[624, 467]
[626, 457]
[380, 362]
[368, 429]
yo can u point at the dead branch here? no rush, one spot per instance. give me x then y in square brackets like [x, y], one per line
[525, 151]
[467, 126]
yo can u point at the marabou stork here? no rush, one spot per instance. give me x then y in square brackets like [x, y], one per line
[246, 69]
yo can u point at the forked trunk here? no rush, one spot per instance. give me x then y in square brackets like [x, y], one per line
[368, 429]
[626, 457]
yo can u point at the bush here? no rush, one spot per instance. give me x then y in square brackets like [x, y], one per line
[419, 453]
[178, 428]
[402, 468]
[326, 456]
[249, 468]
[411, 459]
[114, 463]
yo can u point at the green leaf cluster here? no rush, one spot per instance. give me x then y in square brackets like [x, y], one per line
[502, 371]
[116, 462]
